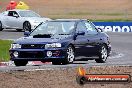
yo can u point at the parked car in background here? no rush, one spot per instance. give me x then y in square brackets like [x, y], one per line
[20, 20]
[60, 42]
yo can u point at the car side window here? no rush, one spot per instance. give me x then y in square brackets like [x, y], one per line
[81, 27]
[91, 30]
[12, 13]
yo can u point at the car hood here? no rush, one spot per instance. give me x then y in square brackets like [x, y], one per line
[53, 39]
[1, 15]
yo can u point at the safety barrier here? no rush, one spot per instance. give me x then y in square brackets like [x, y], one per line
[114, 26]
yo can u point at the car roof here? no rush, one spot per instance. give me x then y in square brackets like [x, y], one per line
[70, 19]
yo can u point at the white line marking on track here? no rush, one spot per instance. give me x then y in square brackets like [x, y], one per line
[117, 56]
[38, 69]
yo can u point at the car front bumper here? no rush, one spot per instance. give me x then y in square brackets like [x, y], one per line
[38, 54]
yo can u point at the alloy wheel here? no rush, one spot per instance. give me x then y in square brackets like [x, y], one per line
[70, 54]
[27, 26]
[103, 54]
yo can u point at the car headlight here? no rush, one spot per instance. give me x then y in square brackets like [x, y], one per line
[53, 45]
[14, 46]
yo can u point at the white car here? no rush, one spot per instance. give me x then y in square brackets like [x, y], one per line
[26, 20]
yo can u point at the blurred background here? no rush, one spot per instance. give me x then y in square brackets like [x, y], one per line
[99, 10]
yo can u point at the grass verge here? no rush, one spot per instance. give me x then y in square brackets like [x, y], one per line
[4, 50]
[98, 20]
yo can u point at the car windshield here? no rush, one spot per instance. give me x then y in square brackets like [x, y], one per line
[54, 28]
[28, 14]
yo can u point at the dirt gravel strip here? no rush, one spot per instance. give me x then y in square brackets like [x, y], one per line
[60, 77]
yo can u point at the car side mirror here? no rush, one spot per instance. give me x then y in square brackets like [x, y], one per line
[15, 15]
[81, 33]
[26, 33]
[99, 29]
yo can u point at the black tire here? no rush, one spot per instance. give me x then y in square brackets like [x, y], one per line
[43, 61]
[1, 26]
[103, 54]
[70, 57]
[20, 63]
[56, 62]
[27, 26]
[67, 60]
[19, 30]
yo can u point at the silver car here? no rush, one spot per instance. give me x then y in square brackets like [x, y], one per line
[20, 20]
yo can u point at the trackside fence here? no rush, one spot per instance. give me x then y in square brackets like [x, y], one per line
[114, 26]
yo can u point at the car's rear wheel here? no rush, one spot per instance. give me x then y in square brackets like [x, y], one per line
[1, 26]
[27, 26]
[103, 54]
[20, 63]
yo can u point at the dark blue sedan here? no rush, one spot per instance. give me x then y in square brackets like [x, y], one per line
[60, 42]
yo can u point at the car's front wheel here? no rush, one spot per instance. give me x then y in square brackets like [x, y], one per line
[103, 54]
[27, 26]
[70, 55]
[56, 62]
[1, 26]
[19, 30]
[20, 63]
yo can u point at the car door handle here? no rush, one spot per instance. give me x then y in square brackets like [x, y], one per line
[88, 40]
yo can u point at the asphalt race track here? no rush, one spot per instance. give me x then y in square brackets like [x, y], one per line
[121, 52]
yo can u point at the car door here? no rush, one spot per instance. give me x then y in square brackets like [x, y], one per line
[93, 38]
[12, 19]
[80, 40]
[87, 44]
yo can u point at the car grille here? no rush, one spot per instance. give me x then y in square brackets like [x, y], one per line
[33, 46]
[31, 54]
